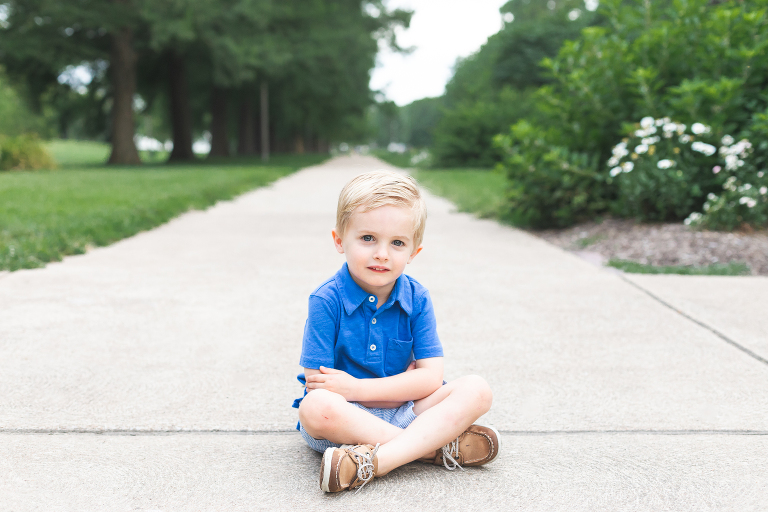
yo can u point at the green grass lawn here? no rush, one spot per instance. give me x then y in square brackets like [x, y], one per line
[45, 215]
[478, 191]
[402, 160]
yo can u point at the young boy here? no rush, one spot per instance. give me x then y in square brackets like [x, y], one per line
[375, 397]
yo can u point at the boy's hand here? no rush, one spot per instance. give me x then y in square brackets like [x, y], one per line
[333, 380]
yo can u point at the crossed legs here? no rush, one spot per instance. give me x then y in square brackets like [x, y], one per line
[441, 417]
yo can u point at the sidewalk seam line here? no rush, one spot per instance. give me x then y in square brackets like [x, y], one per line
[7, 431]
[698, 322]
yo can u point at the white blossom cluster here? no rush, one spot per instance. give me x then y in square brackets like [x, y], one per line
[734, 153]
[650, 133]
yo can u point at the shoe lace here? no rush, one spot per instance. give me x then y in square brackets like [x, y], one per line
[450, 451]
[364, 465]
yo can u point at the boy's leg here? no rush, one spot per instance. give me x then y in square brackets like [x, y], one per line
[442, 417]
[327, 415]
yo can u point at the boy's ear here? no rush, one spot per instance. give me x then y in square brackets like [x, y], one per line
[337, 241]
[414, 253]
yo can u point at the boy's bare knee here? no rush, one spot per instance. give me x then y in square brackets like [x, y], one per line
[319, 409]
[479, 390]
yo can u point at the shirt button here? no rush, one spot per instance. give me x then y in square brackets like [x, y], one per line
[371, 299]
[373, 321]
[373, 347]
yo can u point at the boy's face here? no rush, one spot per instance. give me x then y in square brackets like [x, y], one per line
[378, 245]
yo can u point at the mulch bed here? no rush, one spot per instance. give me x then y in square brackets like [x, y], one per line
[663, 244]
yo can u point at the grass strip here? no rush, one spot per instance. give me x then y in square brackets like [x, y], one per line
[716, 269]
[46, 215]
[402, 160]
[478, 191]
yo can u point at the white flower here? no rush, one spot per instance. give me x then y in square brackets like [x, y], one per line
[640, 149]
[659, 122]
[711, 197]
[731, 162]
[730, 184]
[760, 174]
[620, 150]
[692, 218]
[646, 122]
[764, 190]
[650, 140]
[665, 164]
[615, 172]
[613, 161]
[684, 138]
[698, 128]
[669, 128]
[703, 147]
[748, 201]
[627, 166]
[716, 169]
[746, 186]
[680, 129]
[727, 140]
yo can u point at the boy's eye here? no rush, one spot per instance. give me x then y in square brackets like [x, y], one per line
[368, 238]
[399, 243]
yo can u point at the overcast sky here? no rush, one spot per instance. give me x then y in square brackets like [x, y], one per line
[441, 31]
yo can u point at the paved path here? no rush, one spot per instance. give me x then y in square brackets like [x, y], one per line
[157, 373]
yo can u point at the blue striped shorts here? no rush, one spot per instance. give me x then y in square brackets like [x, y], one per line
[400, 417]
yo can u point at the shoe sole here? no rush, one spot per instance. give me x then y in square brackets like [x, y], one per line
[498, 441]
[326, 467]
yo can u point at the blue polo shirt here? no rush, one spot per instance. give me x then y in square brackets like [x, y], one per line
[344, 330]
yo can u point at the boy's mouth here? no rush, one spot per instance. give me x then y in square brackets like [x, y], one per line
[378, 269]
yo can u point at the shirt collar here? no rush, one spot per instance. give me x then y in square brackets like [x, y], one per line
[352, 295]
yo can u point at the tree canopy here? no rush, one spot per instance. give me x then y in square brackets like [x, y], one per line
[195, 63]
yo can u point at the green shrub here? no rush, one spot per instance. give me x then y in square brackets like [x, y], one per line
[663, 170]
[549, 185]
[697, 61]
[24, 152]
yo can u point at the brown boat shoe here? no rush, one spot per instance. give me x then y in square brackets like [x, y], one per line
[475, 446]
[348, 467]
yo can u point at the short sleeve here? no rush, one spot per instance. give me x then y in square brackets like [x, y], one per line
[320, 333]
[424, 330]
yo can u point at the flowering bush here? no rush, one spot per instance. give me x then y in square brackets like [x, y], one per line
[744, 195]
[662, 171]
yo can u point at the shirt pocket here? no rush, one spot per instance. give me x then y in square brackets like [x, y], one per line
[398, 356]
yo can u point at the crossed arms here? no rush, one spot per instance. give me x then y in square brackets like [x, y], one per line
[421, 379]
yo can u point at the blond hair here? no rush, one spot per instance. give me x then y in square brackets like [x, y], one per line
[382, 188]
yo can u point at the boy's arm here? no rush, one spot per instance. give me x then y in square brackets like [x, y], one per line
[416, 384]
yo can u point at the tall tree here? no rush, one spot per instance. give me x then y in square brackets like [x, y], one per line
[42, 37]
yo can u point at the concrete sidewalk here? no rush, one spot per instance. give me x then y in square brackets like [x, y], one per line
[158, 373]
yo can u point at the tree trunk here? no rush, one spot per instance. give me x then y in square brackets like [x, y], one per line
[219, 139]
[264, 111]
[245, 143]
[122, 69]
[181, 111]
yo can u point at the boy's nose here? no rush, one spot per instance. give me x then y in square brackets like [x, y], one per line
[381, 253]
